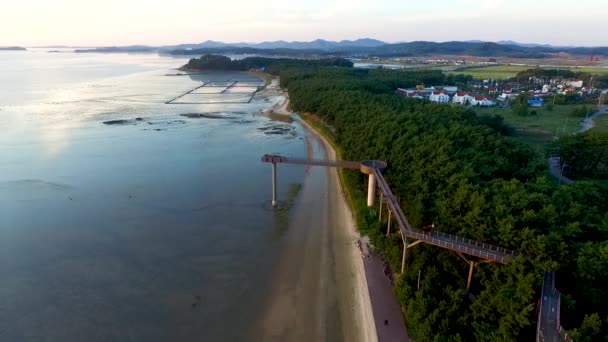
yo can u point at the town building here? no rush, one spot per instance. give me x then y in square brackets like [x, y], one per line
[536, 102]
[416, 95]
[575, 84]
[450, 89]
[482, 101]
[462, 98]
[439, 97]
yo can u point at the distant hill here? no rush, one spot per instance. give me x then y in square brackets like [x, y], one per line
[482, 49]
[319, 44]
[278, 52]
[12, 48]
[510, 42]
[362, 47]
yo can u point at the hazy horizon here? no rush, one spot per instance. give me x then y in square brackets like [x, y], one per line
[114, 22]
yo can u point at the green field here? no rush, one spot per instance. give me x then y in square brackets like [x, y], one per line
[502, 72]
[499, 72]
[601, 123]
[541, 129]
[590, 70]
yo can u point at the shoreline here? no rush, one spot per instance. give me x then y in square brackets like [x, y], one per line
[318, 291]
[361, 283]
[381, 305]
[365, 301]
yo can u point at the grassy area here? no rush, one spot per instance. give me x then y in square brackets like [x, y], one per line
[591, 70]
[601, 123]
[539, 130]
[499, 72]
[502, 72]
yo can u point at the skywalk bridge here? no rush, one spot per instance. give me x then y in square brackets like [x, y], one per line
[548, 329]
[455, 243]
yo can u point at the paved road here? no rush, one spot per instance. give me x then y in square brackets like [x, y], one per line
[556, 170]
[554, 165]
[587, 124]
[549, 309]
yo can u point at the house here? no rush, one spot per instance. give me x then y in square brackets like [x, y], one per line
[505, 96]
[575, 84]
[536, 102]
[439, 97]
[416, 95]
[402, 91]
[450, 89]
[492, 90]
[482, 101]
[507, 90]
[462, 98]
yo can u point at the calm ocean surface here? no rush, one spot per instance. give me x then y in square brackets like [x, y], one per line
[153, 230]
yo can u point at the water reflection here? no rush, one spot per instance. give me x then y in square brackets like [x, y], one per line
[109, 231]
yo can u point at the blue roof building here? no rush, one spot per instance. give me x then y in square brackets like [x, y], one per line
[536, 102]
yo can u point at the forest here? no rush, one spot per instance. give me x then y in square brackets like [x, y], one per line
[467, 176]
[272, 65]
[450, 167]
[585, 155]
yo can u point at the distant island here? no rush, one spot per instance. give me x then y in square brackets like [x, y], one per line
[223, 63]
[12, 48]
[115, 49]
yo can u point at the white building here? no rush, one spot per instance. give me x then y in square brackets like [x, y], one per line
[482, 101]
[505, 96]
[450, 89]
[575, 84]
[439, 97]
[462, 98]
[416, 95]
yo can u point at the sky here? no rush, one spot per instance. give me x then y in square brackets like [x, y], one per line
[161, 22]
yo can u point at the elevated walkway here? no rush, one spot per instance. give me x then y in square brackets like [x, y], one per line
[548, 329]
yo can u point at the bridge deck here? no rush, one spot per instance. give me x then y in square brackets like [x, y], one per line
[451, 242]
[448, 241]
[345, 164]
[549, 328]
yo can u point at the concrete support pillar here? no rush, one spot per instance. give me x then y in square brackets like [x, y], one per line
[388, 230]
[471, 267]
[274, 185]
[380, 213]
[404, 254]
[371, 190]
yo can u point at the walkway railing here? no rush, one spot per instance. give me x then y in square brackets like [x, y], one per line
[453, 242]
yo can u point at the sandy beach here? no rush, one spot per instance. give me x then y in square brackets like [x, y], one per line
[328, 285]
[379, 311]
[319, 290]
